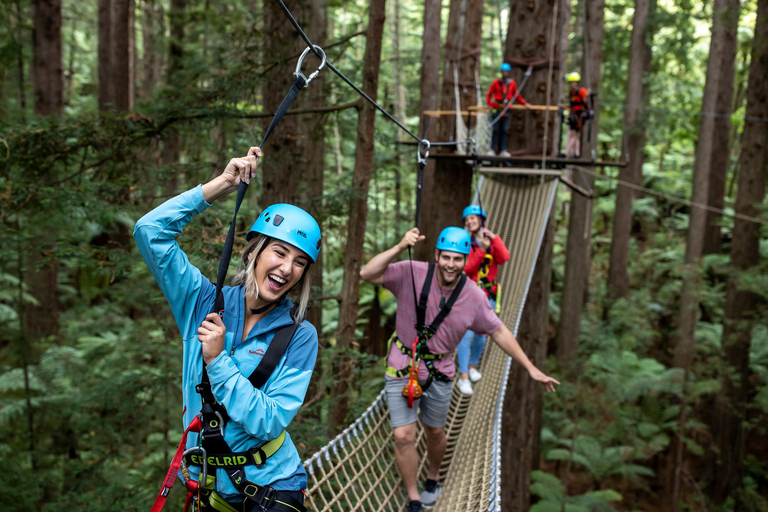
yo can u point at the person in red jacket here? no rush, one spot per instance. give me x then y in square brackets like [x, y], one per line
[578, 103]
[487, 253]
[502, 92]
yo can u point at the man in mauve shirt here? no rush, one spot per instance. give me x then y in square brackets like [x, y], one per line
[471, 310]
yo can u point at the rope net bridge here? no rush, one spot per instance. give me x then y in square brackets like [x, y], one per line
[356, 471]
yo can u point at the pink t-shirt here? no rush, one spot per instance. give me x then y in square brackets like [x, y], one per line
[470, 311]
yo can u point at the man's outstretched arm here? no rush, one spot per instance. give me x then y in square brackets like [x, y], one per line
[373, 271]
[506, 340]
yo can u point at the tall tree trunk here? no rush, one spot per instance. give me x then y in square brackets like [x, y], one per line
[529, 36]
[521, 420]
[313, 139]
[358, 206]
[283, 156]
[42, 320]
[430, 63]
[47, 66]
[115, 54]
[20, 60]
[151, 60]
[685, 348]
[741, 305]
[171, 153]
[720, 154]
[447, 183]
[577, 262]
[635, 123]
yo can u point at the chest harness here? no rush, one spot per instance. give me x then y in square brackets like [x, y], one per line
[419, 351]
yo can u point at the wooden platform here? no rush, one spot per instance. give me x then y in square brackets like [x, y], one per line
[551, 162]
[485, 110]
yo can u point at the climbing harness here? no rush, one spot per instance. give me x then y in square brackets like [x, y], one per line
[419, 351]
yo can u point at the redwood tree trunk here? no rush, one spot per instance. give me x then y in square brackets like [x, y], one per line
[115, 54]
[521, 420]
[685, 347]
[283, 157]
[42, 320]
[577, 263]
[529, 37]
[358, 207]
[635, 123]
[741, 309]
[447, 183]
[721, 149]
[430, 63]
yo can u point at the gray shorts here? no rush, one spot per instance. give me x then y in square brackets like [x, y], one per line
[432, 406]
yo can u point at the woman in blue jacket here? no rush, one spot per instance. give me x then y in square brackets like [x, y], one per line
[282, 244]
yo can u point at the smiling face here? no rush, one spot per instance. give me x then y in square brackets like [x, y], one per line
[472, 223]
[278, 268]
[449, 267]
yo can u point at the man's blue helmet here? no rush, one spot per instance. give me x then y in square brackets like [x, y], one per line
[473, 210]
[455, 240]
[290, 224]
[506, 67]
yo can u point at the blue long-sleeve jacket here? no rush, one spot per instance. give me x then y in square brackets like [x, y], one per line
[257, 415]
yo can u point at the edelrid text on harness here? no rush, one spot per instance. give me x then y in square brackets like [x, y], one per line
[419, 351]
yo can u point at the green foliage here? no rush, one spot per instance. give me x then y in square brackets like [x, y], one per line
[554, 499]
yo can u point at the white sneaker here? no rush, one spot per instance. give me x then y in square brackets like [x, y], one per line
[474, 375]
[505, 154]
[429, 497]
[465, 387]
[491, 152]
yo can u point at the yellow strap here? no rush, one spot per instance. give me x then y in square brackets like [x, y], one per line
[270, 448]
[218, 503]
[498, 299]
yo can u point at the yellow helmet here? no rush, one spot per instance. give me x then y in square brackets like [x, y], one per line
[573, 77]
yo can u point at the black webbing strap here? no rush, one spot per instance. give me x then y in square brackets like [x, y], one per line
[275, 351]
[421, 306]
[226, 253]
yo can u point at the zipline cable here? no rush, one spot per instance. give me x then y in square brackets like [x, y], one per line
[671, 198]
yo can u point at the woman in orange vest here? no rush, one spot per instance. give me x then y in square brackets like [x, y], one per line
[502, 91]
[577, 97]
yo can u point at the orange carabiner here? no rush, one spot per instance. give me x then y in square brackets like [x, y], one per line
[412, 390]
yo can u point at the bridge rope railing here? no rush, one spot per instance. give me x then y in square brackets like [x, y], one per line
[356, 471]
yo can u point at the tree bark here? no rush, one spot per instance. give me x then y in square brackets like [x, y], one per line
[635, 124]
[430, 63]
[721, 150]
[521, 420]
[115, 54]
[171, 153]
[151, 60]
[42, 320]
[47, 66]
[685, 347]
[577, 262]
[283, 157]
[529, 36]
[358, 207]
[448, 184]
[741, 309]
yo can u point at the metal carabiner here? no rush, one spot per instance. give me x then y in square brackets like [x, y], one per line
[312, 76]
[422, 159]
[203, 477]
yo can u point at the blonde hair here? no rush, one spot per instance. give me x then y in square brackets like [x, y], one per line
[248, 276]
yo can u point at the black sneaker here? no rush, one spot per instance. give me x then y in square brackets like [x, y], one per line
[415, 506]
[430, 493]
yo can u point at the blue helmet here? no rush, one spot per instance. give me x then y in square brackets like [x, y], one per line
[455, 240]
[473, 210]
[506, 67]
[290, 224]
